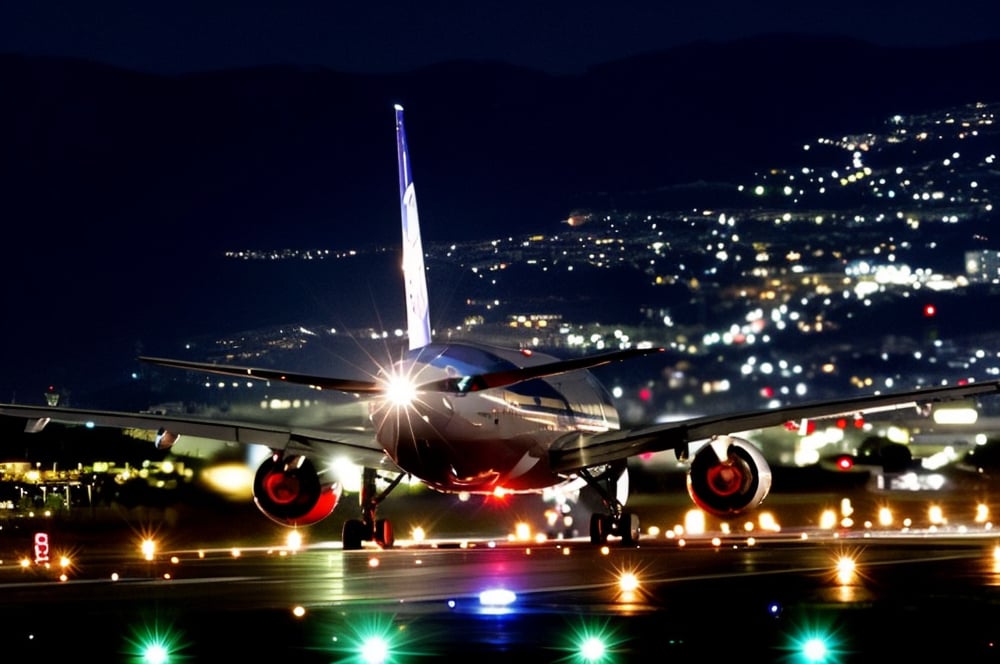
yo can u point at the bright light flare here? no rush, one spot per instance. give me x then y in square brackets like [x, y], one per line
[153, 644]
[374, 650]
[497, 598]
[148, 548]
[884, 517]
[768, 522]
[694, 522]
[232, 480]
[935, 515]
[816, 644]
[522, 531]
[591, 642]
[593, 649]
[628, 582]
[400, 391]
[814, 650]
[294, 540]
[155, 654]
[846, 569]
[373, 639]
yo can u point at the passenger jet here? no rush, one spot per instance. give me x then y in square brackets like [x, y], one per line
[476, 419]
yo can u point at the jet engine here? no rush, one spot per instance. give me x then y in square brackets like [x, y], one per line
[290, 492]
[727, 476]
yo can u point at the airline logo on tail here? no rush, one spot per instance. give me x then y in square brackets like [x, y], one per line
[418, 320]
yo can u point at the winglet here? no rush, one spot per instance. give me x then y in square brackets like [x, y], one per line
[417, 311]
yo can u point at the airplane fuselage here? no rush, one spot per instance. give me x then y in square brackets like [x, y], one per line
[488, 440]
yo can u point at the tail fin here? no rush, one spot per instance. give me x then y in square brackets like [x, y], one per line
[418, 320]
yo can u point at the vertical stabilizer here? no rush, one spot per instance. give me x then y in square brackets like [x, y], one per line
[418, 322]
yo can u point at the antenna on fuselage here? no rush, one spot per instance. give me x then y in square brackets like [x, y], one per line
[418, 322]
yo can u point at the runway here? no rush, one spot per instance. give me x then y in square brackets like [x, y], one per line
[764, 597]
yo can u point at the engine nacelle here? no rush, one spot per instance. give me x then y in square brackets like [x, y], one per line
[727, 476]
[289, 491]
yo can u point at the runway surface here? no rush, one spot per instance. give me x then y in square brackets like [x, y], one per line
[761, 596]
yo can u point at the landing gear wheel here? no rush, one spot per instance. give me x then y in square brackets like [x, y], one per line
[600, 527]
[353, 534]
[628, 526]
[383, 535]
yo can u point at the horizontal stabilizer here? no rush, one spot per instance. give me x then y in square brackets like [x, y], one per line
[464, 384]
[455, 385]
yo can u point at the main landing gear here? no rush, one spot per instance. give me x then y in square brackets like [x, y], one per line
[617, 522]
[368, 528]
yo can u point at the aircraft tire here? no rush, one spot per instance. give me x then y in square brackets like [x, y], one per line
[353, 534]
[629, 528]
[384, 536]
[600, 526]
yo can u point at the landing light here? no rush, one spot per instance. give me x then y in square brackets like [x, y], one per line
[400, 391]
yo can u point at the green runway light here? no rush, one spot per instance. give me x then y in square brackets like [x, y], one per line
[815, 645]
[374, 650]
[151, 644]
[593, 649]
[591, 642]
[156, 654]
[376, 638]
[814, 650]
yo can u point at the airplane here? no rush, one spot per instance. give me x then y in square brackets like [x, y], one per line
[478, 419]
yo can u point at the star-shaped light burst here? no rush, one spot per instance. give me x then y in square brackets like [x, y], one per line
[401, 390]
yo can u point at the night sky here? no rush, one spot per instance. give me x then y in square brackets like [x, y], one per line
[70, 285]
[556, 36]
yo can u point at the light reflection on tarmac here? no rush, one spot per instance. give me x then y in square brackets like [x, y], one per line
[862, 592]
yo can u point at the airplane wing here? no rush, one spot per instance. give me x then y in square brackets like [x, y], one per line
[353, 443]
[321, 382]
[580, 450]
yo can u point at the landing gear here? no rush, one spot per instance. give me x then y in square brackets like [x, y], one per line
[368, 528]
[625, 525]
[617, 522]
